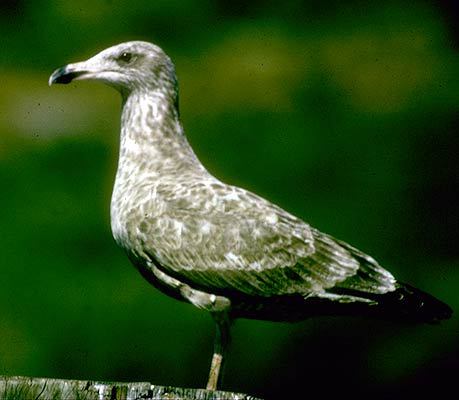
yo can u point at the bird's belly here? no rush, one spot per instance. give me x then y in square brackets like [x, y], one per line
[125, 230]
[118, 231]
[118, 220]
[126, 215]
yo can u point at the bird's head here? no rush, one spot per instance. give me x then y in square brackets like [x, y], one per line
[127, 67]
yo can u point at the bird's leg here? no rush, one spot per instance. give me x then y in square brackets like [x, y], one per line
[218, 306]
[222, 339]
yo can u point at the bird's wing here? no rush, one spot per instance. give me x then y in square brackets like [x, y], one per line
[237, 241]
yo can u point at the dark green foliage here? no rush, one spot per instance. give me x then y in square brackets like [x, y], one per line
[345, 115]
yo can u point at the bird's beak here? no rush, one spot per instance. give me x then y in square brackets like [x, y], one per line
[69, 72]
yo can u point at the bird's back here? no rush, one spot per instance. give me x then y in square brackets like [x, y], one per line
[271, 265]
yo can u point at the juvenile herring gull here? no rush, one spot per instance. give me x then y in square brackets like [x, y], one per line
[217, 246]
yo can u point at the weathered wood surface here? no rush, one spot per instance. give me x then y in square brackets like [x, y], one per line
[24, 388]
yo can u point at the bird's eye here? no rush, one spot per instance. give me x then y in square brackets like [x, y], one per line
[125, 57]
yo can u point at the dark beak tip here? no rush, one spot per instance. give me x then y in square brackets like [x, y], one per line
[59, 76]
[63, 75]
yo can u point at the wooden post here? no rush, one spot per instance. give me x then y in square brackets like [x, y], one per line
[21, 387]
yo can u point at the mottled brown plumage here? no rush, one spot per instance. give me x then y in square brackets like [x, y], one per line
[218, 246]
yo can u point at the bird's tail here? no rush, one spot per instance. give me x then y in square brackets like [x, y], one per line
[411, 304]
[405, 303]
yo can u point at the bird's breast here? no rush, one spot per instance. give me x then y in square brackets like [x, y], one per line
[134, 201]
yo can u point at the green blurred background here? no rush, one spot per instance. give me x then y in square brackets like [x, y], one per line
[344, 113]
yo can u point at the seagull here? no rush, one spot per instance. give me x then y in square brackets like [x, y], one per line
[217, 246]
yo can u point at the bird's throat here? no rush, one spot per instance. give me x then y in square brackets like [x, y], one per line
[152, 137]
[149, 118]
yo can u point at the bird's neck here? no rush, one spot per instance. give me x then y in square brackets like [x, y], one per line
[152, 139]
[153, 149]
